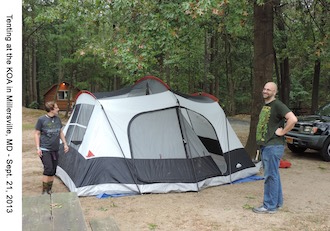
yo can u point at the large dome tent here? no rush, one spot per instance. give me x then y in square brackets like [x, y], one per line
[146, 138]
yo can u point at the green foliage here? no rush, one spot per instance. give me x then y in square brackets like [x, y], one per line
[299, 96]
[152, 226]
[34, 105]
[102, 45]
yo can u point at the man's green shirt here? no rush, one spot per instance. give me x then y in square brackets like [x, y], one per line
[271, 117]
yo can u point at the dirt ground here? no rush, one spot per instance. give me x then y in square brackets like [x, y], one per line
[306, 188]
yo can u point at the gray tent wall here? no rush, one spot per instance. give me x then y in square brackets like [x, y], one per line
[147, 139]
[214, 130]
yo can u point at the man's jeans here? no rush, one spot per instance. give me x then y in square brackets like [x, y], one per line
[270, 157]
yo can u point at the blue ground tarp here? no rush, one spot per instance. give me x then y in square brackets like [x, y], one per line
[243, 180]
[249, 179]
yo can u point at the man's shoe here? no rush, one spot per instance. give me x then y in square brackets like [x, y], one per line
[263, 210]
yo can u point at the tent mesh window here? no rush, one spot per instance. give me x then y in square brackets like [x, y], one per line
[174, 136]
[205, 132]
[144, 143]
[207, 135]
[78, 124]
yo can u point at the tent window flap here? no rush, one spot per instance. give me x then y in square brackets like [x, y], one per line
[78, 124]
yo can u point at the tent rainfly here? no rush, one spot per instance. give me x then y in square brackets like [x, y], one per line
[148, 139]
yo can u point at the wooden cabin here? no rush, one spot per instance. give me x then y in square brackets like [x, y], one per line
[60, 94]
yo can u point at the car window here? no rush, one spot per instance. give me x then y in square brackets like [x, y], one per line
[324, 111]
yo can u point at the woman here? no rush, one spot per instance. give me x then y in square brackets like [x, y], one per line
[48, 132]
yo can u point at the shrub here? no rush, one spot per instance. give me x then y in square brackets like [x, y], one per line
[34, 105]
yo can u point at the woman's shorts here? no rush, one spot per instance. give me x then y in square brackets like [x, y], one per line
[50, 161]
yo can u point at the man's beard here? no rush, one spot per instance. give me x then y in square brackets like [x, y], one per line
[267, 96]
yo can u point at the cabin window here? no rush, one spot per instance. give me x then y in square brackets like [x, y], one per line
[63, 95]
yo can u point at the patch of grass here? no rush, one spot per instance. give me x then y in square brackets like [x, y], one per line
[152, 226]
[322, 167]
[112, 204]
[103, 209]
[27, 127]
[34, 113]
[247, 206]
[56, 205]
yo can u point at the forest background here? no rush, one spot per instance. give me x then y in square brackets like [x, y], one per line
[226, 48]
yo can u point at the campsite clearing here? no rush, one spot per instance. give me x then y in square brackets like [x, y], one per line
[306, 187]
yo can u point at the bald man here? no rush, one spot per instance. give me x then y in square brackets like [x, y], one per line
[275, 120]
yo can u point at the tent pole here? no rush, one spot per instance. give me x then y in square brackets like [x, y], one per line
[185, 144]
[229, 159]
[120, 149]
[190, 152]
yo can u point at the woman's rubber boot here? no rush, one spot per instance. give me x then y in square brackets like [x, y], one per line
[49, 188]
[44, 187]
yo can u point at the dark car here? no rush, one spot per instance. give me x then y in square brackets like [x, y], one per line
[313, 132]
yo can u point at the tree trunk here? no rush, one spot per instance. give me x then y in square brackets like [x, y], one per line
[284, 83]
[215, 60]
[23, 71]
[277, 69]
[30, 81]
[25, 82]
[167, 72]
[206, 61]
[34, 74]
[231, 108]
[316, 83]
[60, 73]
[160, 59]
[263, 65]
[72, 77]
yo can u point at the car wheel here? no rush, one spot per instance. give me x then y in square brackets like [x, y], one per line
[296, 149]
[325, 152]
